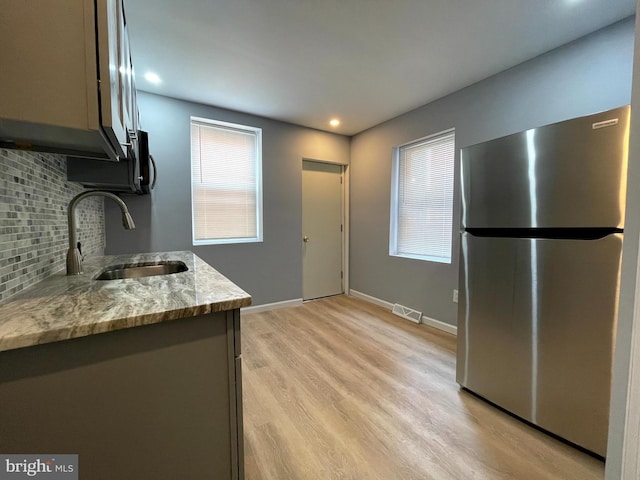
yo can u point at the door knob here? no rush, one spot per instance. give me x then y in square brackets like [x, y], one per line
[305, 239]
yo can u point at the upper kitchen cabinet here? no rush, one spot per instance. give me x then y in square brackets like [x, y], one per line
[67, 82]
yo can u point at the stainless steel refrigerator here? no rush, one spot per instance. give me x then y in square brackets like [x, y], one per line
[541, 247]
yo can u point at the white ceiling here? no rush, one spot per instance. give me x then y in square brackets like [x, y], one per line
[363, 61]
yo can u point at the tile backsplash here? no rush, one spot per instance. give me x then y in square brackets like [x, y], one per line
[34, 195]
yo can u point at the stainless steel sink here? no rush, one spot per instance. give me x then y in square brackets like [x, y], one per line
[139, 270]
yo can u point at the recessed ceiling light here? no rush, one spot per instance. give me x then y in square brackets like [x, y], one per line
[152, 78]
[334, 122]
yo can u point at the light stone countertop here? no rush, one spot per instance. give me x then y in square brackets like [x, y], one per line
[63, 307]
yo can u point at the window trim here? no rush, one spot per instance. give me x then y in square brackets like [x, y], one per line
[259, 188]
[393, 214]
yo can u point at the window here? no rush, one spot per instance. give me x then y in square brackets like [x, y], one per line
[226, 182]
[422, 198]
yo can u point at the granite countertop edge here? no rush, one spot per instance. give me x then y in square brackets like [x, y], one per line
[62, 308]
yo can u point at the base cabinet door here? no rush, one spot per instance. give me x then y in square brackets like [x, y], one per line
[144, 403]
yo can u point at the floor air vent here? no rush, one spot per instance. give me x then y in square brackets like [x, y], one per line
[408, 313]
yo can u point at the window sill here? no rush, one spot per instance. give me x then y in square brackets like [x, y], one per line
[225, 241]
[424, 258]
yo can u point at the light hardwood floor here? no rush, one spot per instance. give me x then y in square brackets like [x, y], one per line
[342, 389]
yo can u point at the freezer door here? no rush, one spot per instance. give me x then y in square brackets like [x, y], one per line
[536, 330]
[569, 174]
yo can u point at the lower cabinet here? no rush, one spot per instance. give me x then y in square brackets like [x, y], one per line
[161, 401]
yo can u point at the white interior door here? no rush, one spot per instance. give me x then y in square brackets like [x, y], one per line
[321, 229]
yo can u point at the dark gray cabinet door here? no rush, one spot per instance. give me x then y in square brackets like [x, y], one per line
[145, 403]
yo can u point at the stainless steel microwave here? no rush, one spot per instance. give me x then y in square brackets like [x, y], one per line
[135, 174]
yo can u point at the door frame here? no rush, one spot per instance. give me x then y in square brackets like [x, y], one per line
[345, 216]
[623, 454]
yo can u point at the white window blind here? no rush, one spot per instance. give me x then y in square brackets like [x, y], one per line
[422, 199]
[226, 182]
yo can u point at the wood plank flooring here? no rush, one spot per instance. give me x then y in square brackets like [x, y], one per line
[342, 389]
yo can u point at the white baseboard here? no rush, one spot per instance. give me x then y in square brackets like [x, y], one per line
[296, 302]
[445, 327]
[370, 299]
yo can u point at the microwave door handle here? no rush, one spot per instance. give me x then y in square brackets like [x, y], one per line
[155, 172]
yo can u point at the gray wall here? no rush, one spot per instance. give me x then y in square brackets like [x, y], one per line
[270, 271]
[34, 194]
[587, 76]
